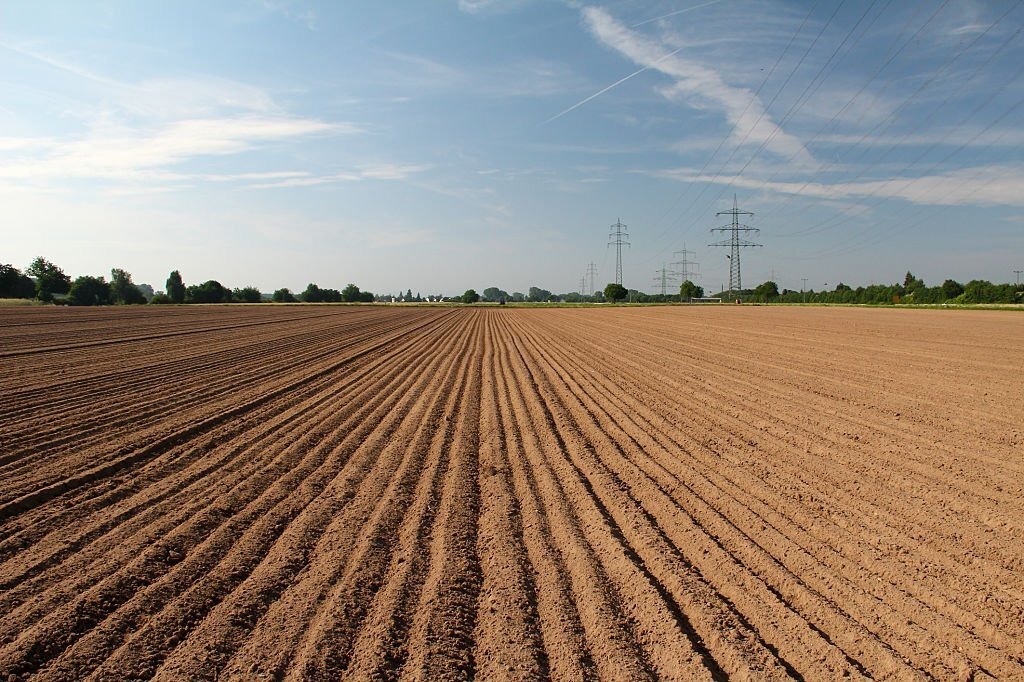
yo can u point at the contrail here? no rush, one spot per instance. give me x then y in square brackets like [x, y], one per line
[672, 14]
[618, 82]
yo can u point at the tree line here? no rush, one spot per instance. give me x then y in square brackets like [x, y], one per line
[48, 282]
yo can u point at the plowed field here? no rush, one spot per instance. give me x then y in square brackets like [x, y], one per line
[316, 492]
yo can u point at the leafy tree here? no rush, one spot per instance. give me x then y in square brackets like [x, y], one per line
[312, 294]
[160, 299]
[122, 289]
[470, 296]
[88, 290]
[536, 294]
[911, 283]
[247, 295]
[518, 296]
[175, 287]
[284, 296]
[951, 289]
[768, 291]
[368, 297]
[615, 292]
[494, 294]
[210, 291]
[351, 293]
[15, 284]
[50, 279]
[688, 290]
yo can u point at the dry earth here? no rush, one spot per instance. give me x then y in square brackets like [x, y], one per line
[314, 492]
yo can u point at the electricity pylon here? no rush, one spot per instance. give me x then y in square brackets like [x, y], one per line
[683, 264]
[618, 237]
[735, 242]
[664, 277]
[592, 273]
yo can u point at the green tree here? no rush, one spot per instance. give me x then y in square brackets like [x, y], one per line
[88, 290]
[615, 292]
[688, 290]
[536, 294]
[768, 291]
[351, 294]
[122, 289]
[911, 283]
[50, 279]
[15, 284]
[175, 287]
[247, 295]
[470, 296]
[210, 291]
[951, 289]
[284, 296]
[494, 294]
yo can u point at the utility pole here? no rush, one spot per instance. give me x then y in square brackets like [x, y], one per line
[684, 263]
[735, 243]
[664, 276]
[591, 273]
[803, 288]
[618, 237]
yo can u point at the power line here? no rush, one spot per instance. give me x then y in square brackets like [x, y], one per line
[752, 99]
[735, 243]
[618, 237]
[890, 120]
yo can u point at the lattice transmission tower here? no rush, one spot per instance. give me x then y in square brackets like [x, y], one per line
[735, 243]
[618, 237]
[687, 269]
[591, 273]
[664, 277]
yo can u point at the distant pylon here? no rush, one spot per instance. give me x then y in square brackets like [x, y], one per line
[618, 237]
[583, 285]
[684, 263]
[591, 273]
[664, 277]
[735, 242]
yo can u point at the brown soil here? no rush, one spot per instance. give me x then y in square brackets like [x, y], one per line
[314, 492]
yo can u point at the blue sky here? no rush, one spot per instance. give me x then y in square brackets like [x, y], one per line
[440, 145]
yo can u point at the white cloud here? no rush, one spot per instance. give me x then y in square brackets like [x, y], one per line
[127, 153]
[699, 86]
[995, 185]
[375, 172]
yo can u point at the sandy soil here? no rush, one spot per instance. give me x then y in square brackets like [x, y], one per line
[315, 492]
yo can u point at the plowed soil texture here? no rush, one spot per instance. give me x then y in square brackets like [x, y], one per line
[677, 493]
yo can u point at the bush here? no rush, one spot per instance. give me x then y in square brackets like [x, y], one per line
[470, 296]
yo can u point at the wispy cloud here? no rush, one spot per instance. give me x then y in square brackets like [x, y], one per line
[387, 171]
[699, 86]
[676, 13]
[128, 153]
[993, 185]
